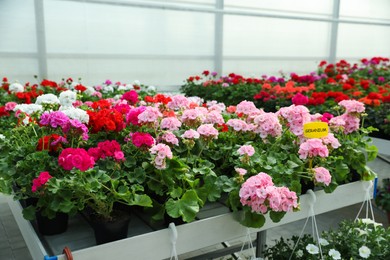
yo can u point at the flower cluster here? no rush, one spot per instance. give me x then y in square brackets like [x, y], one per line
[40, 181]
[162, 152]
[259, 193]
[75, 158]
[107, 149]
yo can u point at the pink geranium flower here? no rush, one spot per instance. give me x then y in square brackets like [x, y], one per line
[322, 175]
[313, 147]
[246, 150]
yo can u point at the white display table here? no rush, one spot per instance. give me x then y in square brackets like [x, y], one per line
[383, 145]
[216, 225]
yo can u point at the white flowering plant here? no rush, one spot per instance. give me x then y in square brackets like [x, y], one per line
[360, 239]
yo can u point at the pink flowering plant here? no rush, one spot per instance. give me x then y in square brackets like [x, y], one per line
[173, 154]
[274, 143]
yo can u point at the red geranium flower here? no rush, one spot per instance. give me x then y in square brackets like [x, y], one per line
[46, 143]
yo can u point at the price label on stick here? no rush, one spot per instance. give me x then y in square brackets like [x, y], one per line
[315, 129]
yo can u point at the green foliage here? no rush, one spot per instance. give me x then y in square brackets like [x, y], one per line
[383, 195]
[347, 240]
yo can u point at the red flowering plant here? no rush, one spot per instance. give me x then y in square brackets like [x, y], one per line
[67, 144]
[230, 89]
[37, 141]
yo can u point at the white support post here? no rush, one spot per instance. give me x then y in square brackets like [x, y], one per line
[41, 38]
[218, 37]
[334, 31]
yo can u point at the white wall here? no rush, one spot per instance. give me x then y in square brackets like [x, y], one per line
[162, 47]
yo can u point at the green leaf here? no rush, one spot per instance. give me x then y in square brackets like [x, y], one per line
[329, 189]
[142, 200]
[271, 160]
[176, 193]
[29, 213]
[276, 216]
[295, 186]
[372, 152]
[186, 207]
[253, 220]
[292, 164]
[137, 176]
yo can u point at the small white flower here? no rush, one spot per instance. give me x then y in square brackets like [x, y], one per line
[16, 87]
[312, 249]
[299, 253]
[323, 242]
[334, 254]
[26, 120]
[368, 221]
[2, 137]
[364, 252]
[47, 99]
[361, 231]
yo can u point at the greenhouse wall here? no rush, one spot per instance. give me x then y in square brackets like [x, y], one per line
[162, 43]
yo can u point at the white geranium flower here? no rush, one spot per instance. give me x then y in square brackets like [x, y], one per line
[121, 87]
[323, 242]
[312, 249]
[299, 253]
[107, 89]
[89, 91]
[364, 252]
[152, 88]
[137, 83]
[67, 98]
[47, 99]
[28, 108]
[26, 120]
[76, 113]
[196, 100]
[16, 87]
[334, 254]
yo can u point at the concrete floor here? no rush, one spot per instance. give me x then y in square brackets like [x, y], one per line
[13, 247]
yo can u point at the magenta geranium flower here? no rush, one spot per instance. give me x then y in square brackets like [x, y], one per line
[40, 181]
[75, 158]
[299, 99]
[142, 139]
[131, 97]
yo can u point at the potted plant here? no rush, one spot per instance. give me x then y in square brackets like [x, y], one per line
[360, 239]
[382, 198]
